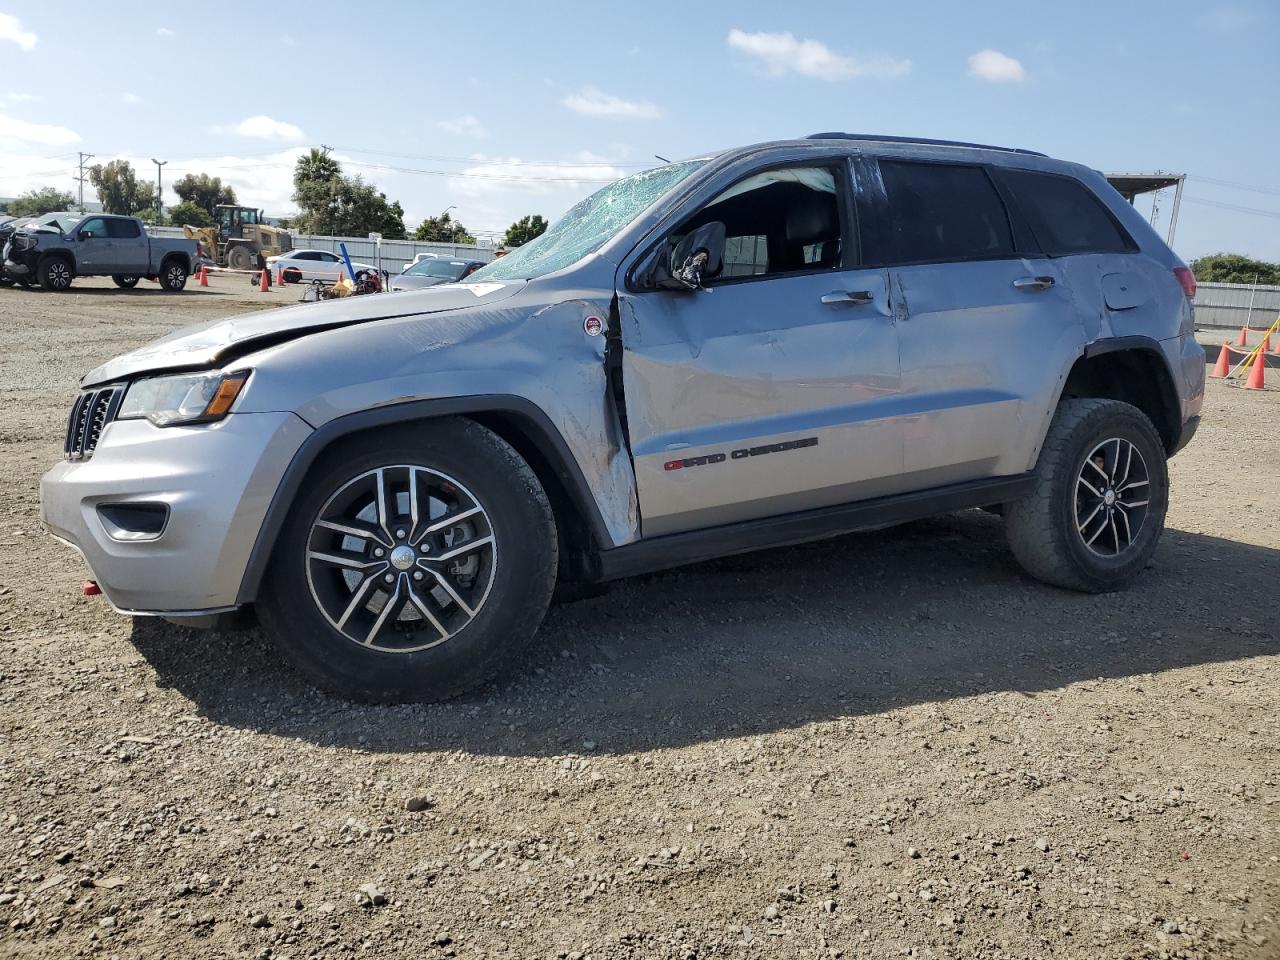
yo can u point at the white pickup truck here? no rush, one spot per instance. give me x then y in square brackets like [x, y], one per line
[100, 245]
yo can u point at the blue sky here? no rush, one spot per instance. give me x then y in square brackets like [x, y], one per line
[503, 109]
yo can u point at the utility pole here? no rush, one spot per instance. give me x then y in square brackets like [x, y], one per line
[83, 157]
[159, 188]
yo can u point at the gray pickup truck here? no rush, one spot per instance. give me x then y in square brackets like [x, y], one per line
[98, 246]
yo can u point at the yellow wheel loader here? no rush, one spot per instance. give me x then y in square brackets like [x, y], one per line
[238, 237]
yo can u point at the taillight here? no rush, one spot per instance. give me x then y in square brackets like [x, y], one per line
[1187, 279]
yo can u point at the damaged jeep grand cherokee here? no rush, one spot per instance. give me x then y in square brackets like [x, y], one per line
[765, 346]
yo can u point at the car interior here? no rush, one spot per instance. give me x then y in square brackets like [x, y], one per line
[780, 221]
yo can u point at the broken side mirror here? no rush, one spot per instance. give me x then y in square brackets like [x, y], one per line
[697, 256]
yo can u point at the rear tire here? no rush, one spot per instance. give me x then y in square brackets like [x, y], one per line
[124, 281]
[449, 630]
[55, 274]
[173, 276]
[1098, 509]
[292, 275]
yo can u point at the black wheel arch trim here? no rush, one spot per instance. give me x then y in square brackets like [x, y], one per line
[1168, 384]
[542, 432]
[60, 253]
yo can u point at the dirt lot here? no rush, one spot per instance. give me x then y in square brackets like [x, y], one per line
[889, 744]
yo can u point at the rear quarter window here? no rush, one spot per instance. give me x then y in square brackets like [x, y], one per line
[1064, 214]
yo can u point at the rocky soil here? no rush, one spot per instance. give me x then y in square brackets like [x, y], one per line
[891, 744]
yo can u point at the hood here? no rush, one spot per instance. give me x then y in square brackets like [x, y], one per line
[219, 342]
[416, 282]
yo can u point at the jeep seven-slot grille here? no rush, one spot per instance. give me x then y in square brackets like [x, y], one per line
[94, 409]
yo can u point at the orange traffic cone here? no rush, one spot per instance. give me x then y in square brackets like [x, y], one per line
[1243, 339]
[265, 282]
[1223, 366]
[1255, 372]
[204, 275]
[280, 276]
[1266, 343]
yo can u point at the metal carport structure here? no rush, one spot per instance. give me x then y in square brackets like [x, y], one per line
[1131, 185]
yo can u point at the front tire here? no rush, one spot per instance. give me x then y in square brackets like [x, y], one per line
[124, 281]
[55, 274]
[1098, 509]
[239, 258]
[462, 528]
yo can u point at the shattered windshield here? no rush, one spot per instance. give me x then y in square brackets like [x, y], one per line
[587, 226]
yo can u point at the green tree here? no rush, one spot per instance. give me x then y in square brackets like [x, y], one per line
[188, 213]
[1235, 268]
[442, 229]
[119, 190]
[333, 204]
[524, 230]
[45, 200]
[203, 191]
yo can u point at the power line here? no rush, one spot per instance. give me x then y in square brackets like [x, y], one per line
[41, 173]
[1235, 207]
[1271, 191]
[465, 175]
[608, 164]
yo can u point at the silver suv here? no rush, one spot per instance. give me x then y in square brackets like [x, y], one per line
[763, 346]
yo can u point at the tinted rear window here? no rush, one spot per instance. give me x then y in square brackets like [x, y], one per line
[123, 229]
[1064, 214]
[942, 212]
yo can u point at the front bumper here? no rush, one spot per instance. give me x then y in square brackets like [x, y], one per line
[19, 263]
[216, 481]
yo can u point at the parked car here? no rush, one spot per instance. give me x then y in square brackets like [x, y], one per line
[429, 273]
[57, 248]
[300, 265]
[765, 346]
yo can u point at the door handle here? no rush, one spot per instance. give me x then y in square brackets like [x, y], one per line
[1033, 283]
[853, 297]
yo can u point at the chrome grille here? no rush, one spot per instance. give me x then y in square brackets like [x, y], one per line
[93, 410]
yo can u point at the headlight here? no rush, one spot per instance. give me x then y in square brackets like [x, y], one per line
[185, 398]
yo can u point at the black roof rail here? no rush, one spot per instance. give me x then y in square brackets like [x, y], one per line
[881, 138]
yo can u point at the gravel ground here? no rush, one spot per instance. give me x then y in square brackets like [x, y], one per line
[884, 745]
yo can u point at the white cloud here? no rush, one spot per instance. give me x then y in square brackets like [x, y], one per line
[263, 127]
[42, 133]
[1230, 19]
[591, 102]
[782, 53]
[996, 67]
[465, 126]
[163, 32]
[11, 29]
[130, 98]
[21, 97]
